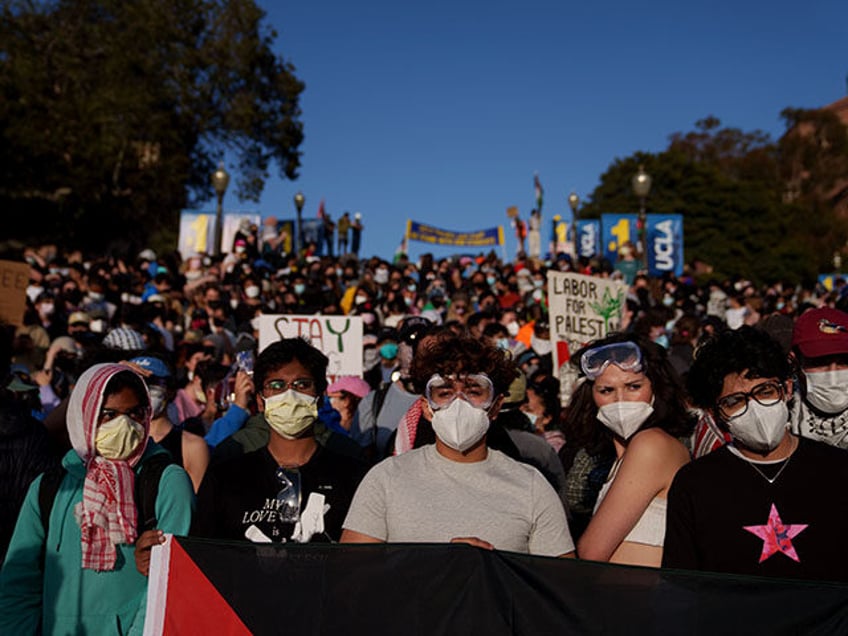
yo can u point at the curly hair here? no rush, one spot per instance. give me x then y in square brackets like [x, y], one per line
[451, 354]
[282, 352]
[746, 349]
[670, 411]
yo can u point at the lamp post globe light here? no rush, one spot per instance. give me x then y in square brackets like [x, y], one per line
[220, 181]
[299, 200]
[641, 188]
[573, 203]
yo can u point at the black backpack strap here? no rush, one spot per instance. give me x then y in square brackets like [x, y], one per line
[379, 398]
[47, 489]
[147, 488]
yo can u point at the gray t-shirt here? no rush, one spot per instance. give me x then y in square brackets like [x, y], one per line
[423, 497]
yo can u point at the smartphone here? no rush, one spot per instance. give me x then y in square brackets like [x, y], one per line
[244, 361]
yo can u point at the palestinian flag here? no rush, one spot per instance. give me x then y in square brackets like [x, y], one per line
[198, 586]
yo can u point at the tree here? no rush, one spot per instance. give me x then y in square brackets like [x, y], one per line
[729, 186]
[114, 113]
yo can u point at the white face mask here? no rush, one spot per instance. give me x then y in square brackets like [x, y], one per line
[624, 418]
[290, 413]
[828, 390]
[460, 425]
[252, 291]
[158, 400]
[540, 345]
[118, 438]
[533, 418]
[512, 328]
[760, 428]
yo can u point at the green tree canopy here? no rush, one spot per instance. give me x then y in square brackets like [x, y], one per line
[731, 188]
[114, 113]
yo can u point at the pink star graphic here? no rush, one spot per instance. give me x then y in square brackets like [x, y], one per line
[776, 536]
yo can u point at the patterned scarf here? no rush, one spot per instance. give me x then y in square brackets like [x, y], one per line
[107, 513]
[408, 428]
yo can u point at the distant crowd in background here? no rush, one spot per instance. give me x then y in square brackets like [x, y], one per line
[457, 357]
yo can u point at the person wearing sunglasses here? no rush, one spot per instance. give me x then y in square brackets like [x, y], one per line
[292, 487]
[769, 503]
[630, 395]
[458, 489]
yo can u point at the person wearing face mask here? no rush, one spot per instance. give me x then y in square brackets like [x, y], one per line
[759, 505]
[820, 346]
[293, 487]
[630, 394]
[458, 489]
[188, 450]
[83, 572]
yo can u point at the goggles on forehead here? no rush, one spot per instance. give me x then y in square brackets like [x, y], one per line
[476, 389]
[627, 356]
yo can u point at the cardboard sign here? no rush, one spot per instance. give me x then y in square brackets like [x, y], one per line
[14, 278]
[581, 309]
[338, 337]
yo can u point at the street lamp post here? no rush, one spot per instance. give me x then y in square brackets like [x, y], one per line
[220, 181]
[299, 200]
[641, 188]
[573, 202]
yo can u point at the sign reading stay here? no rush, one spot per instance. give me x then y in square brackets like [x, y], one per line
[338, 337]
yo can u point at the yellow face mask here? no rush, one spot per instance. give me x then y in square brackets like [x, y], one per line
[290, 413]
[118, 438]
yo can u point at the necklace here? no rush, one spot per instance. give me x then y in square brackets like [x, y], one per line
[771, 480]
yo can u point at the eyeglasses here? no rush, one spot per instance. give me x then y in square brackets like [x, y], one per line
[275, 387]
[288, 498]
[627, 356]
[138, 414]
[735, 404]
[476, 389]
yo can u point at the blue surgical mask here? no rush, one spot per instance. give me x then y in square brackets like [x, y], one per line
[389, 351]
[662, 340]
[299, 288]
[491, 280]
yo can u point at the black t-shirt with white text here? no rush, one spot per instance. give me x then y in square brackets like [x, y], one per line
[238, 498]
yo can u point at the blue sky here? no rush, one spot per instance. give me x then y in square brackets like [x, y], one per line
[442, 112]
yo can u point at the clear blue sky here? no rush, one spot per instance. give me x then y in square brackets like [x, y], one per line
[442, 111]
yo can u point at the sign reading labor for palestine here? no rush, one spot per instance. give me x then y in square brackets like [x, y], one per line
[581, 309]
[338, 337]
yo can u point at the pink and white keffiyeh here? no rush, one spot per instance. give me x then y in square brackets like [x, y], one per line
[107, 512]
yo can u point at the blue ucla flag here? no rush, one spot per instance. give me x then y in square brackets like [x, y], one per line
[588, 238]
[616, 230]
[665, 244]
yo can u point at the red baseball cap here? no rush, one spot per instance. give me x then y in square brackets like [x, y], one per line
[821, 332]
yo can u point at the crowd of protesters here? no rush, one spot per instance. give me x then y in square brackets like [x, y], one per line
[457, 362]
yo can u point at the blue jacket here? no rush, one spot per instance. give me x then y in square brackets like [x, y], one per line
[67, 598]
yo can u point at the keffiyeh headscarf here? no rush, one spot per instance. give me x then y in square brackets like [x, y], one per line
[107, 512]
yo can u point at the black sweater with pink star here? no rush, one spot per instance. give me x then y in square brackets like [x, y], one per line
[724, 516]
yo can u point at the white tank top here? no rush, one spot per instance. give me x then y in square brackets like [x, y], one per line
[650, 529]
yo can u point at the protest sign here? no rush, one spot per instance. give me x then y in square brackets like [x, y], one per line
[581, 309]
[14, 278]
[338, 337]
